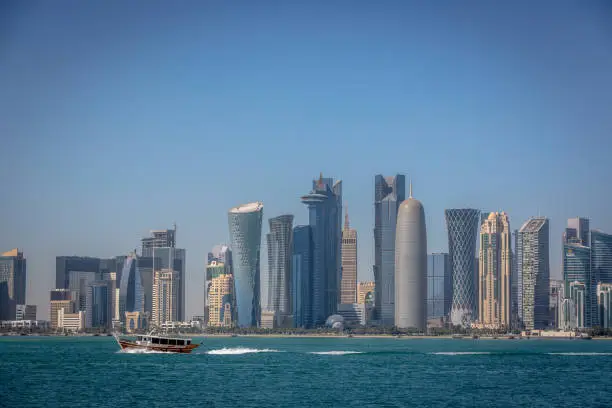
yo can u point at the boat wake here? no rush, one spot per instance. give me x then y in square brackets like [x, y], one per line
[140, 351]
[459, 353]
[580, 354]
[335, 353]
[239, 350]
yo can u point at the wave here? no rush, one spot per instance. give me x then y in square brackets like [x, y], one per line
[239, 350]
[140, 351]
[335, 353]
[459, 353]
[580, 354]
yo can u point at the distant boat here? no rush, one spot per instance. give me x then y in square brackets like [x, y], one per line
[166, 343]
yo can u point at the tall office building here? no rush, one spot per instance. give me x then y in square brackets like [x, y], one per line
[577, 296]
[324, 204]
[64, 265]
[78, 281]
[604, 303]
[221, 302]
[439, 286]
[97, 305]
[600, 267]
[462, 226]
[389, 193]
[55, 306]
[220, 254]
[577, 268]
[159, 252]
[495, 260]
[348, 285]
[411, 265]
[534, 271]
[245, 237]
[166, 286]
[577, 231]
[280, 244]
[12, 283]
[302, 258]
[514, 282]
[557, 293]
[131, 291]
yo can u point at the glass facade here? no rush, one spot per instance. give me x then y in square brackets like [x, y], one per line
[604, 303]
[302, 276]
[534, 271]
[389, 193]
[245, 239]
[65, 264]
[601, 264]
[439, 286]
[325, 211]
[131, 291]
[462, 225]
[12, 283]
[97, 310]
[279, 268]
[577, 268]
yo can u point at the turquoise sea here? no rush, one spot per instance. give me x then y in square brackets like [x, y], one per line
[307, 372]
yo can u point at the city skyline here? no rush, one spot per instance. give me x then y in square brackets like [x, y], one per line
[408, 78]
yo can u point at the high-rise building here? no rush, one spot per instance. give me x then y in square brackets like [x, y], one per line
[78, 281]
[439, 286]
[55, 306]
[389, 193]
[557, 294]
[280, 245]
[64, 265]
[604, 303]
[462, 226]
[113, 295]
[159, 252]
[302, 258]
[324, 204]
[534, 271]
[220, 295]
[366, 292]
[97, 305]
[245, 237]
[219, 255]
[577, 231]
[348, 285]
[577, 296]
[166, 286]
[601, 257]
[131, 291]
[12, 283]
[495, 259]
[577, 268]
[411, 265]
[514, 282]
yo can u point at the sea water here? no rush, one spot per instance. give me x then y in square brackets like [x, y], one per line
[307, 372]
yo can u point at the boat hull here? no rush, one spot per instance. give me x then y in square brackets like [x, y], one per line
[125, 344]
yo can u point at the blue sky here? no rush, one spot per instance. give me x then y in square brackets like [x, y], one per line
[121, 117]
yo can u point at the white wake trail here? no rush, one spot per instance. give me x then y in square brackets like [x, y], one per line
[240, 350]
[335, 353]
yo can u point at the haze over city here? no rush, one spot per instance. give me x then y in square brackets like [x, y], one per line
[120, 119]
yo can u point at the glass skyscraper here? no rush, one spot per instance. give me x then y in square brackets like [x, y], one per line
[534, 270]
[439, 286]
[577, 268]
[389, 193]
[280, 244]
[462, 225]
[302, 276]
[325, 211]
[601, 264]
[245, 240]
[12, 283]
[98, 307]
[131, 291]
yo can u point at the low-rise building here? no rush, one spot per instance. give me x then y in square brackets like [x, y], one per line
[71, 321]
[25, 312]
[136, 321]
[55, 306]
[25, 324]
[268, 319]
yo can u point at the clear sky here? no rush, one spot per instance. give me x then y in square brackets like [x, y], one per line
[120, 117]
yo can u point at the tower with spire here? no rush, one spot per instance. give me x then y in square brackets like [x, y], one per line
[348, 284]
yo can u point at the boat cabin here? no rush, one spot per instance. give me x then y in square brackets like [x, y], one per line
[163, 341]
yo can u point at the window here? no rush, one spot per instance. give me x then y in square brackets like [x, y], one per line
[180, 342]
[155, 340]
[172, 342]
[188, 342]
[163, 341]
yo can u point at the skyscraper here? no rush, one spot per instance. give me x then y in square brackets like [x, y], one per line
[221, 301]
[348, 285]
[97, 308]
[534, 271]
[12, 283]
[66, 264]
[245, 237]
[280, 245]
[166, 284]
[131, 292]
[324, 204]
[577, 231]
[439, 286]
[462, 225]
[411, 265]
[514, 282]
[389, 193]
[220, 254]
[577, 268]
[604, 304]
[600, 267]
[302, 276]
[495, 259]
[159, 252]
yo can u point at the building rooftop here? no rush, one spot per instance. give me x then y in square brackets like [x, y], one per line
[533, 224]
[247, 208]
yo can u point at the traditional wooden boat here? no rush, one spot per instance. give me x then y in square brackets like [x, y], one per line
[167, 343]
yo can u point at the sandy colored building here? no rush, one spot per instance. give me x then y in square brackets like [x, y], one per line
[221, 298]
[348, 285]
[365, 292]
[166, 290]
